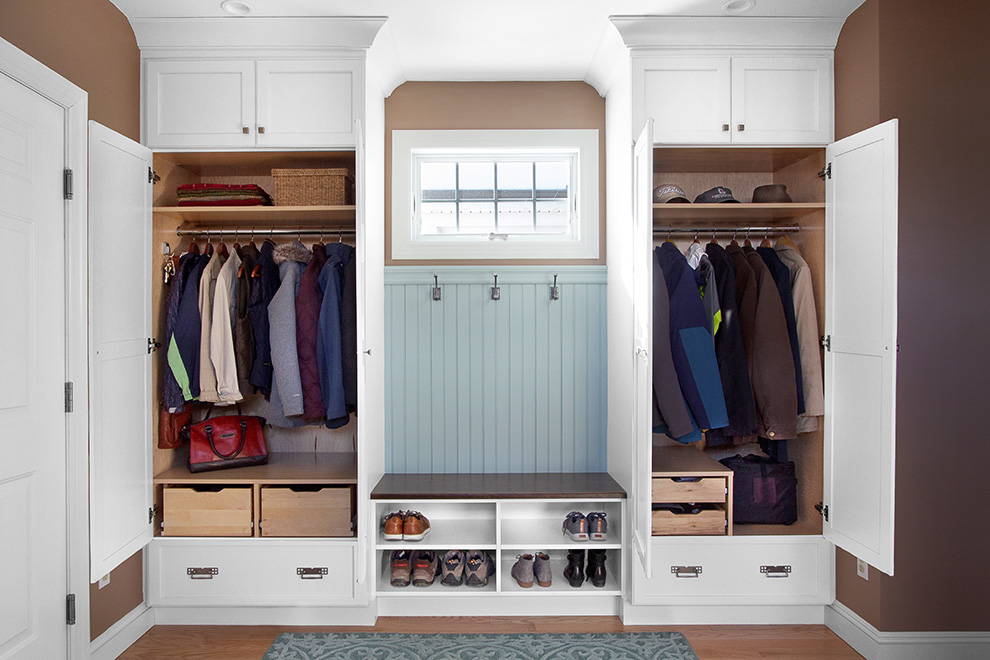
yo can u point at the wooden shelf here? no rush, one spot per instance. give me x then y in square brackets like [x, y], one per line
[263, 217]
[686, 462]
[709, 213]
[282, 468]
[729, 159]
[254, 162]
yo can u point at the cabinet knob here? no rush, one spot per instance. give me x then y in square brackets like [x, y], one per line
[246, 130]
[261, 129]
[725, 127]
[741, 127]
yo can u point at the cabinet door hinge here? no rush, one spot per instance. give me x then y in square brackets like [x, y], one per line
[822, 509]
[70, 609]
[67, 183]
[68, 397]
[153, 344]
[152, 510]
[826, 172]
[153, 177]
[827, 342]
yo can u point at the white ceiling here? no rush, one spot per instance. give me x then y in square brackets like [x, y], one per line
[500, 40]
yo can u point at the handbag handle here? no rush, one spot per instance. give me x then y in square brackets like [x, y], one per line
[209, 411]
[209, 436]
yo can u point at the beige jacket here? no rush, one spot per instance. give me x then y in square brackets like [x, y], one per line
[809, 344]
[207, 289]
[222, 335]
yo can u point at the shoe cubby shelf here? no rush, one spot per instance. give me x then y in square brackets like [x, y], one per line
[504, 515]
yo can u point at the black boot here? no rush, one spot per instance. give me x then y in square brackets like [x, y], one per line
[575, 568]
[596, 567]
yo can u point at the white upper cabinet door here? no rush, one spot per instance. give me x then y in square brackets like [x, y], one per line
[306, 103]
[861, 343]
[121, 404]
[200, 103]
[781, 100]
[687, 97]
[640, 505]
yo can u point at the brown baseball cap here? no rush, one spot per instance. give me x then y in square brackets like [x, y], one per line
[667, 193]
[770, 193]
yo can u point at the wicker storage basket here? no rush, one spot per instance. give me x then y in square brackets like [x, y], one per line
[313, 187]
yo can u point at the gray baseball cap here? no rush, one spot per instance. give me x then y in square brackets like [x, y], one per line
[716, 195]
[667, 193]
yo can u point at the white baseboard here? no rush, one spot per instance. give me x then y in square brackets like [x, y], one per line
[873, 644]
[502, 605]
[686, 615]
[122, 634]
[263, 616]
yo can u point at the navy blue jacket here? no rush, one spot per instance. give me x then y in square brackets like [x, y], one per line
[782, 276]
[172, 392]
[329, 346]
[187, 323]
[692, 346]
[263, 288]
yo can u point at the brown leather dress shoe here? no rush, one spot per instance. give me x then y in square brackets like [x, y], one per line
[415, 526]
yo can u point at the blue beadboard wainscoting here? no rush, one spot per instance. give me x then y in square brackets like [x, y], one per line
[475, 385]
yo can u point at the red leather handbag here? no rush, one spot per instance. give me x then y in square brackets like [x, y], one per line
[170, 426]
[228, 441]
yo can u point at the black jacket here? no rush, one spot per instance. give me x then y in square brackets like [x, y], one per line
[782, 276]
[263, 288]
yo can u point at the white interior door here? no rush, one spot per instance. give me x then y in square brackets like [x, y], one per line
[305, 103]
[861, 332]
[121, 406]
[640, 501]
[33, 573]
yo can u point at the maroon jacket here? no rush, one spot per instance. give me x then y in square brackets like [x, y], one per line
[308, 302]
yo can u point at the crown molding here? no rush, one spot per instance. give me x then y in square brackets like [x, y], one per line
[353, 33]
[727, 32]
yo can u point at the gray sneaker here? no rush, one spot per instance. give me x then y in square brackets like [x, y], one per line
[452, 568]
[478, 567]
[576, 526]
[522, 571]
[541, 568]
[597, 526]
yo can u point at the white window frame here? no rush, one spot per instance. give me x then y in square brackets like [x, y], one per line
[581, 242]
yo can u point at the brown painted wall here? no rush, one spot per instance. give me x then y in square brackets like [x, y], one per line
[493, 105]
[90, 43]
[934, 60]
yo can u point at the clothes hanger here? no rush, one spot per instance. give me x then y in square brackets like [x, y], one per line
[252, 244]
[734, 242]
[766, 239]
[786, 241]
[747, 243]
[237, 246]
[222, 249]
[696, 232]
[208, 250]
[714, 240]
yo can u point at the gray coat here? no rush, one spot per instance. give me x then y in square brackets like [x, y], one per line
[287, 396]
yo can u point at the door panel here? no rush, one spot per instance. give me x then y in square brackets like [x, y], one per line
[861, 324]
[32, 409]
[640, 502]
[120, 365]
[781, 100]
[305, 103]
[687, 97]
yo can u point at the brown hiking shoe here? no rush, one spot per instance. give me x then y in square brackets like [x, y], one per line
[415, 526]
[425, 565]
[401, 568]
[393, 526]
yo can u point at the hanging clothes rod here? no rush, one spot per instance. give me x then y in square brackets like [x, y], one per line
[258, 231]
[725, 230]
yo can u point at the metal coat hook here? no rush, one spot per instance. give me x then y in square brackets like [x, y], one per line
[555, 290]
[436, 288]
[496, 292]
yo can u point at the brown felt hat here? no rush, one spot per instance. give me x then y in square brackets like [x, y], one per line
[770, 193]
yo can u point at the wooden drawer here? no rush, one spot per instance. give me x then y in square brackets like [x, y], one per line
[250, 572]
[200, 512]
[298, 512]
[707, 489]
[708, 522]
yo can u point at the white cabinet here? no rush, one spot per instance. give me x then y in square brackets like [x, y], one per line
[223, 104]
[776, 99]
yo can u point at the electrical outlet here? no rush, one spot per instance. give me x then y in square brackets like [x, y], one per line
[104, 581]
[862, 569]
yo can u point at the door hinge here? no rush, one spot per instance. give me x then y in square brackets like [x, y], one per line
[826, 172]
[67, 183]
[68, 397]
[152, 510]
[153, 177]
[822, 509]
[153, 344]
[827, 342]
[70, 610]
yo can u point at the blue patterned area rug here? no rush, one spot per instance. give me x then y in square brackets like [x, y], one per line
[523, 646]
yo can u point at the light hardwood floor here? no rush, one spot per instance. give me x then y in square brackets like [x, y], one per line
[709, 642]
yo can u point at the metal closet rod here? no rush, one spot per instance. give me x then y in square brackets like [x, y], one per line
[258, 231]
[725, 230]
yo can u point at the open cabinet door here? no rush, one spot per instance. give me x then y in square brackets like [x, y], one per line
[361, 254]
[640, 502]
[120, 396]
[861, 343]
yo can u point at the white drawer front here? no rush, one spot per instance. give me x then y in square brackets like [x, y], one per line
[740, 570]
[250, 573]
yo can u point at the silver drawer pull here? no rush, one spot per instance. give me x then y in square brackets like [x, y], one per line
[204, 573]
[776, 571]
[314, 573]
[686, 571]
